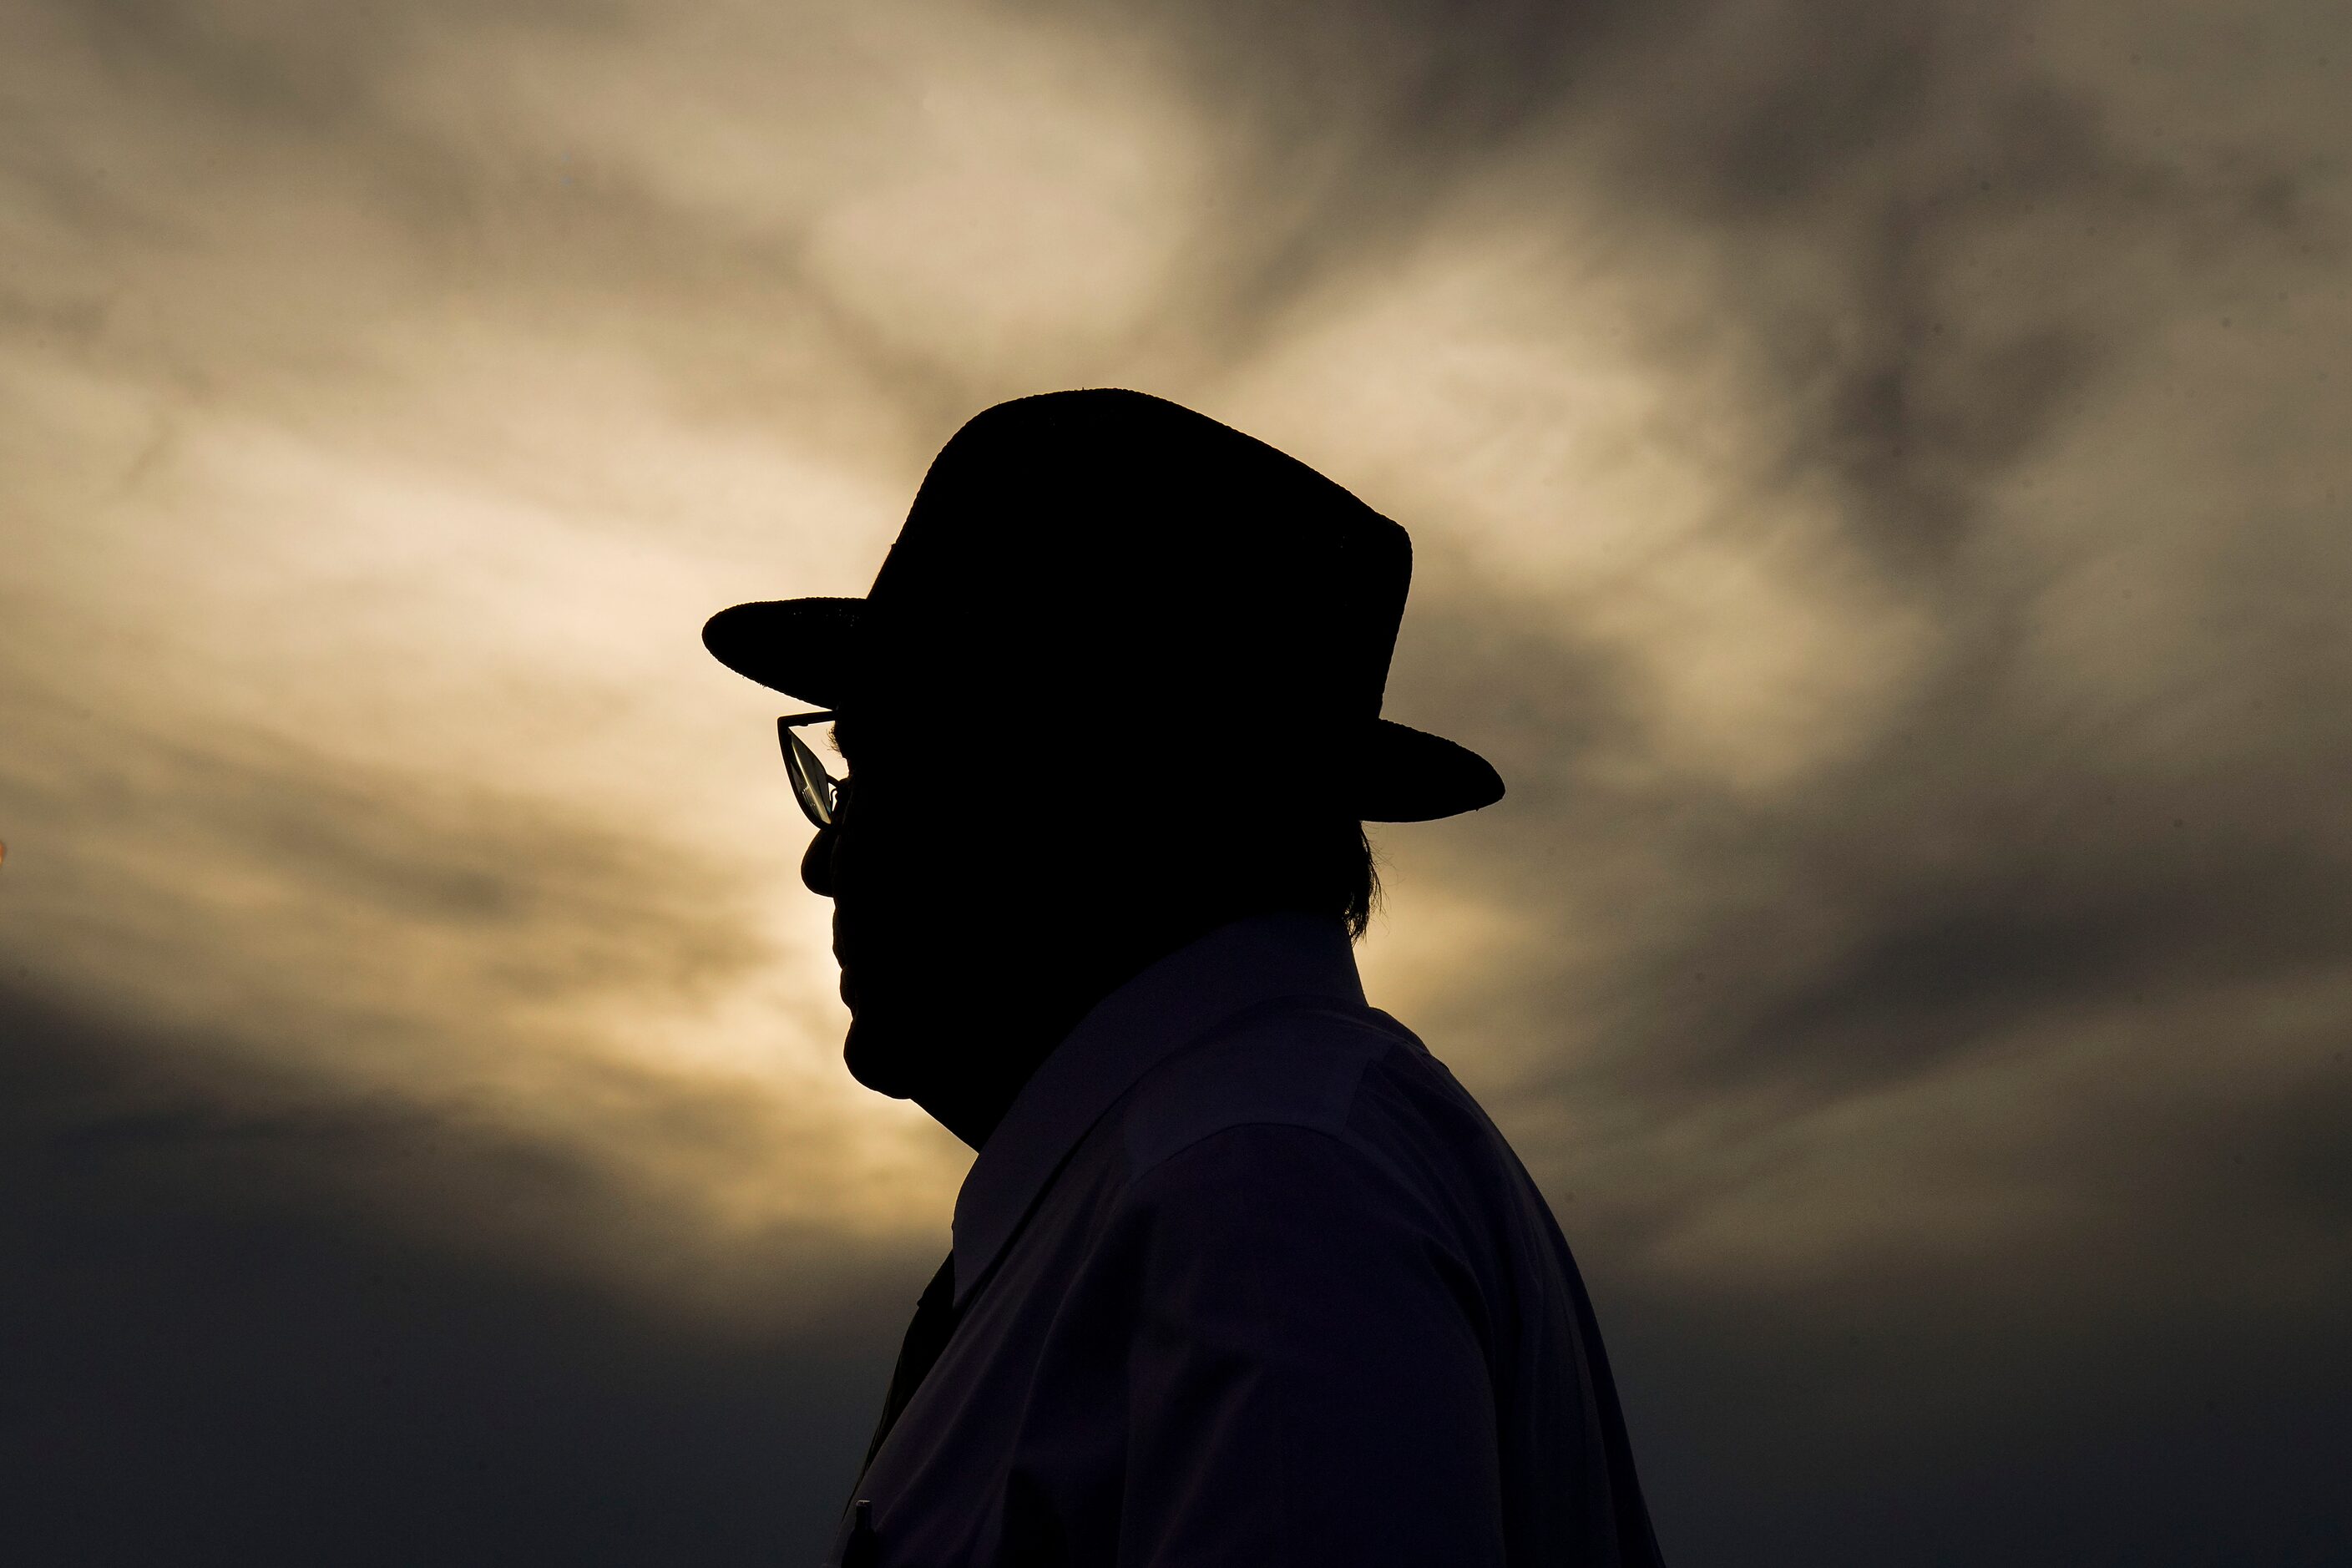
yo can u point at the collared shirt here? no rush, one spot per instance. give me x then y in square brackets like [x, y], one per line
[1244, 1277]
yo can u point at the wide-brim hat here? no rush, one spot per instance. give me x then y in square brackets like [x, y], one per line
[1107, 561]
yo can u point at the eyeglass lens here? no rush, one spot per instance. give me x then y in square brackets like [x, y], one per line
[818, 793]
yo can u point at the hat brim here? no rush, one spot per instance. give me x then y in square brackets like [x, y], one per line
[808, 648]
[1409, 775]
[812, 649]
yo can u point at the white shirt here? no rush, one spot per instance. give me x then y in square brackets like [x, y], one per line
[1244, 1277]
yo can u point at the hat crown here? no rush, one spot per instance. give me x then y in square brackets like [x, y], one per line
[1105, 550]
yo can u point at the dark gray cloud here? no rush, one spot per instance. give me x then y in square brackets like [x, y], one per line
[251, 1320]
[253, 1323]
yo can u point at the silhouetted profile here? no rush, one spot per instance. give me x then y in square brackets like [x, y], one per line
[1241, 1274]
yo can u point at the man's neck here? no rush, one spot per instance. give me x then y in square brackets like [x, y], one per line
[971, 1096]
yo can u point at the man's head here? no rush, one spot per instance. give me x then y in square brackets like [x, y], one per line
[1119, 680]
[974, 900]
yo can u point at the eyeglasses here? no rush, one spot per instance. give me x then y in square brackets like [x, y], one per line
[818, 791]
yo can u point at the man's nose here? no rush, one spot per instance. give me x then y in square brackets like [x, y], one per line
[817, 864]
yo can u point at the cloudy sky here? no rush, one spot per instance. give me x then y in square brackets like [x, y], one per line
[1880, 479]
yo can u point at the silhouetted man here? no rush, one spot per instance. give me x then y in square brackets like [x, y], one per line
[1241, 1275]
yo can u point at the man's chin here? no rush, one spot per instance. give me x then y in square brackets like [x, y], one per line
[875, 1058]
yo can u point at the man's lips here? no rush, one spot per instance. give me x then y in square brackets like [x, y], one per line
[841, 960]
[848, 986]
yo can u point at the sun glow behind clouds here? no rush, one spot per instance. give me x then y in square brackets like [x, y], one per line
[361, 718]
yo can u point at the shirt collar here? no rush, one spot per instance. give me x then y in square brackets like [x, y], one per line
[1169, 1005]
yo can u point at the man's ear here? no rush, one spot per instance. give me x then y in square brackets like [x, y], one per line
[817, 864]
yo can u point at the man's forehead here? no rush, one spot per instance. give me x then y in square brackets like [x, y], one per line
[895, 730]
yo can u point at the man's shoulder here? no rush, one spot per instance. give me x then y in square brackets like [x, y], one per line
[1298, 1064]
